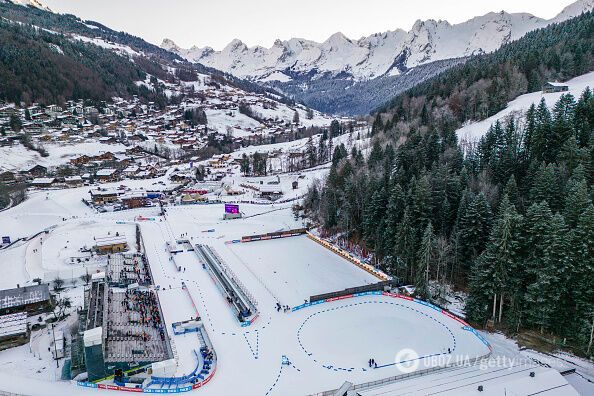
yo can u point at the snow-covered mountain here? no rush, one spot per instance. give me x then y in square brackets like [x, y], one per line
[30, 3]
[388, 53]
[574, 9]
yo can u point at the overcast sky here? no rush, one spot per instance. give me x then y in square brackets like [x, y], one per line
[215, 23]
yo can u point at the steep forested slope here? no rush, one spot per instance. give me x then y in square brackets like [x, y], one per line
[512, 220]
[61, 66]
[49, 68]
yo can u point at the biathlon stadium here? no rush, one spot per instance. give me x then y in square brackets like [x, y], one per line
[255, 304]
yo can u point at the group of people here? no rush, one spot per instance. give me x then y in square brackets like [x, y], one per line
[284, 308]
[145, 303]
[133, 272]
[206, 353]
[372, 363]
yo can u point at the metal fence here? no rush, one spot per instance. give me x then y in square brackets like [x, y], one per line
[379, 286]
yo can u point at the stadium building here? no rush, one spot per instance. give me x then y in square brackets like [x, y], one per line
[121, 326]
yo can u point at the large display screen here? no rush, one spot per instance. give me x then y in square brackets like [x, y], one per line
[231, 208]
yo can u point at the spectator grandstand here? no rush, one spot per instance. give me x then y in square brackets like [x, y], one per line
[121, 324]
[125, 269]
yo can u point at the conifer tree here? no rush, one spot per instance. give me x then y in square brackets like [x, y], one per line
[426, 257]
[542, 133]
[511, 191]
[529, 132]
[473, 229]
[543, 295]
[406, 246]
[583, 119]
[546, 186]
[582, 251]
[394, 213]
[562, 126]
[577, 199]
[493, 269]
[421, 209]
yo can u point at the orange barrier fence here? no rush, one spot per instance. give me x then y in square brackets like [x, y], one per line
[346, 255]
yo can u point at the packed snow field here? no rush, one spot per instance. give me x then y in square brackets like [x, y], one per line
[473, 131]
[325, 344]
[18, 158]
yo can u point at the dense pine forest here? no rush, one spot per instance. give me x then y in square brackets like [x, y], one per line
[509, 220]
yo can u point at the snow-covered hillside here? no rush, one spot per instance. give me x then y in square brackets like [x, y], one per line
[18, 158]
[473, 131]
[221, 104]
[388, 53]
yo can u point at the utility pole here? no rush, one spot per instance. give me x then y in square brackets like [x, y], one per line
[55, 348]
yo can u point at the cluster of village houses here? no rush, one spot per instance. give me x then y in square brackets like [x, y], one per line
[81, 170]
[164, 133]
[131, 121]
[137, 140]
[182, 187]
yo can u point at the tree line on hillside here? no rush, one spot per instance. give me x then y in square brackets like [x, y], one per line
[66, 25]
[341, 94]
[37, 66]
[511, 220]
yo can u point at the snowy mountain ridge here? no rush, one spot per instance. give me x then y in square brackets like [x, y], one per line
[29, 3]
[387, 53]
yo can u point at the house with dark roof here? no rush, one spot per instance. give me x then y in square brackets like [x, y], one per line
[31, 299]
[37, 171]
[551, 87]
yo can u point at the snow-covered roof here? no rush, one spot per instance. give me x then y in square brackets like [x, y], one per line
[72, 178]
[93, 337]
[23, 295]
[557, 84]
[43, 180]
[106, 172]
[99, 193]
[110, 240]
[98, 275]
[13, 324]
[133, 195]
